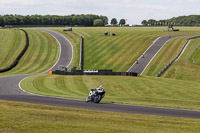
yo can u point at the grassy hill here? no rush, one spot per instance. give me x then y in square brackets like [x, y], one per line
[188, 66]
[41, 55]
[113, 52]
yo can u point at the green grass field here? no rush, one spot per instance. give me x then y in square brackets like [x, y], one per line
[188, 66]
[147, 91]
[12, 43]
[23, 117]
[41, 55]
[107, 52]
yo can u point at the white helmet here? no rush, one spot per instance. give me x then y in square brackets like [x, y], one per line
[101, 88]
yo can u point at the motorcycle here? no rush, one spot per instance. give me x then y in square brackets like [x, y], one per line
[95, 95]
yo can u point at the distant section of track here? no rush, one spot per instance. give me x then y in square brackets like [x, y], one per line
[66, 50]
[141, 64]
[10, 90]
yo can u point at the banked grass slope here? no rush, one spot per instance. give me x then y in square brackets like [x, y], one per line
[188, 66]
[41, 55]
[12, 43]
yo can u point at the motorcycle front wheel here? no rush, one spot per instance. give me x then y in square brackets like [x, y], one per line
[88, 99]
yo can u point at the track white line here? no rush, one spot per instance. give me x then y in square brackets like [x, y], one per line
[60, 48]
[59, 52]
[153, 57]
[183, 50]
[145, 52]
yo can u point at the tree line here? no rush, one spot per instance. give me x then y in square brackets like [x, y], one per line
[191, 20]
[83, 20]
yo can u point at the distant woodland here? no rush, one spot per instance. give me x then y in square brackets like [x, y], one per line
[192, 20]
[71, 20]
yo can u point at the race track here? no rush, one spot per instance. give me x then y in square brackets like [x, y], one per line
[10, 90]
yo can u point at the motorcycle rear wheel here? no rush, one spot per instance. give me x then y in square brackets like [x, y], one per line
[97, 99]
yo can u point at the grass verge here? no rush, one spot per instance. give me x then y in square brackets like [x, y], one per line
[23, 117]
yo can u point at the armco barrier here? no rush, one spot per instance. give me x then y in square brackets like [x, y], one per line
[179, 54]
[19, 56]
[59, 72]
[81, 65]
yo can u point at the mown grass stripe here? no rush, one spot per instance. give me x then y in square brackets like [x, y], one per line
[188, 65]
[12, 43]
[34, 50]
[128, 42]
[61, 84]
[43, 55]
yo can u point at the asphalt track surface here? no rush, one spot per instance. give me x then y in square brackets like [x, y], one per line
[10, 91]
[144, 60]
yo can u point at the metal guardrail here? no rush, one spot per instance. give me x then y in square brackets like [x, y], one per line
[81, 64]
[179, 54]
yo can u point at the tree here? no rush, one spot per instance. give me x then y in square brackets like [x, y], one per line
[98, 22]
[144, 22]
[114, 21]
[122, 22]
[1, 21]
[151, 22]
[105, 19]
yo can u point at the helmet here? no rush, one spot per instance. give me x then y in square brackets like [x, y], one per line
[101, 88]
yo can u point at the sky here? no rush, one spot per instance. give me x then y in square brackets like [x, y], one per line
[133, 10]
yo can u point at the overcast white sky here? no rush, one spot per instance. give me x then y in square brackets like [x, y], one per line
[133, 10]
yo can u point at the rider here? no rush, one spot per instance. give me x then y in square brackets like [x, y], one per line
[93, 91]
[100, 89]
